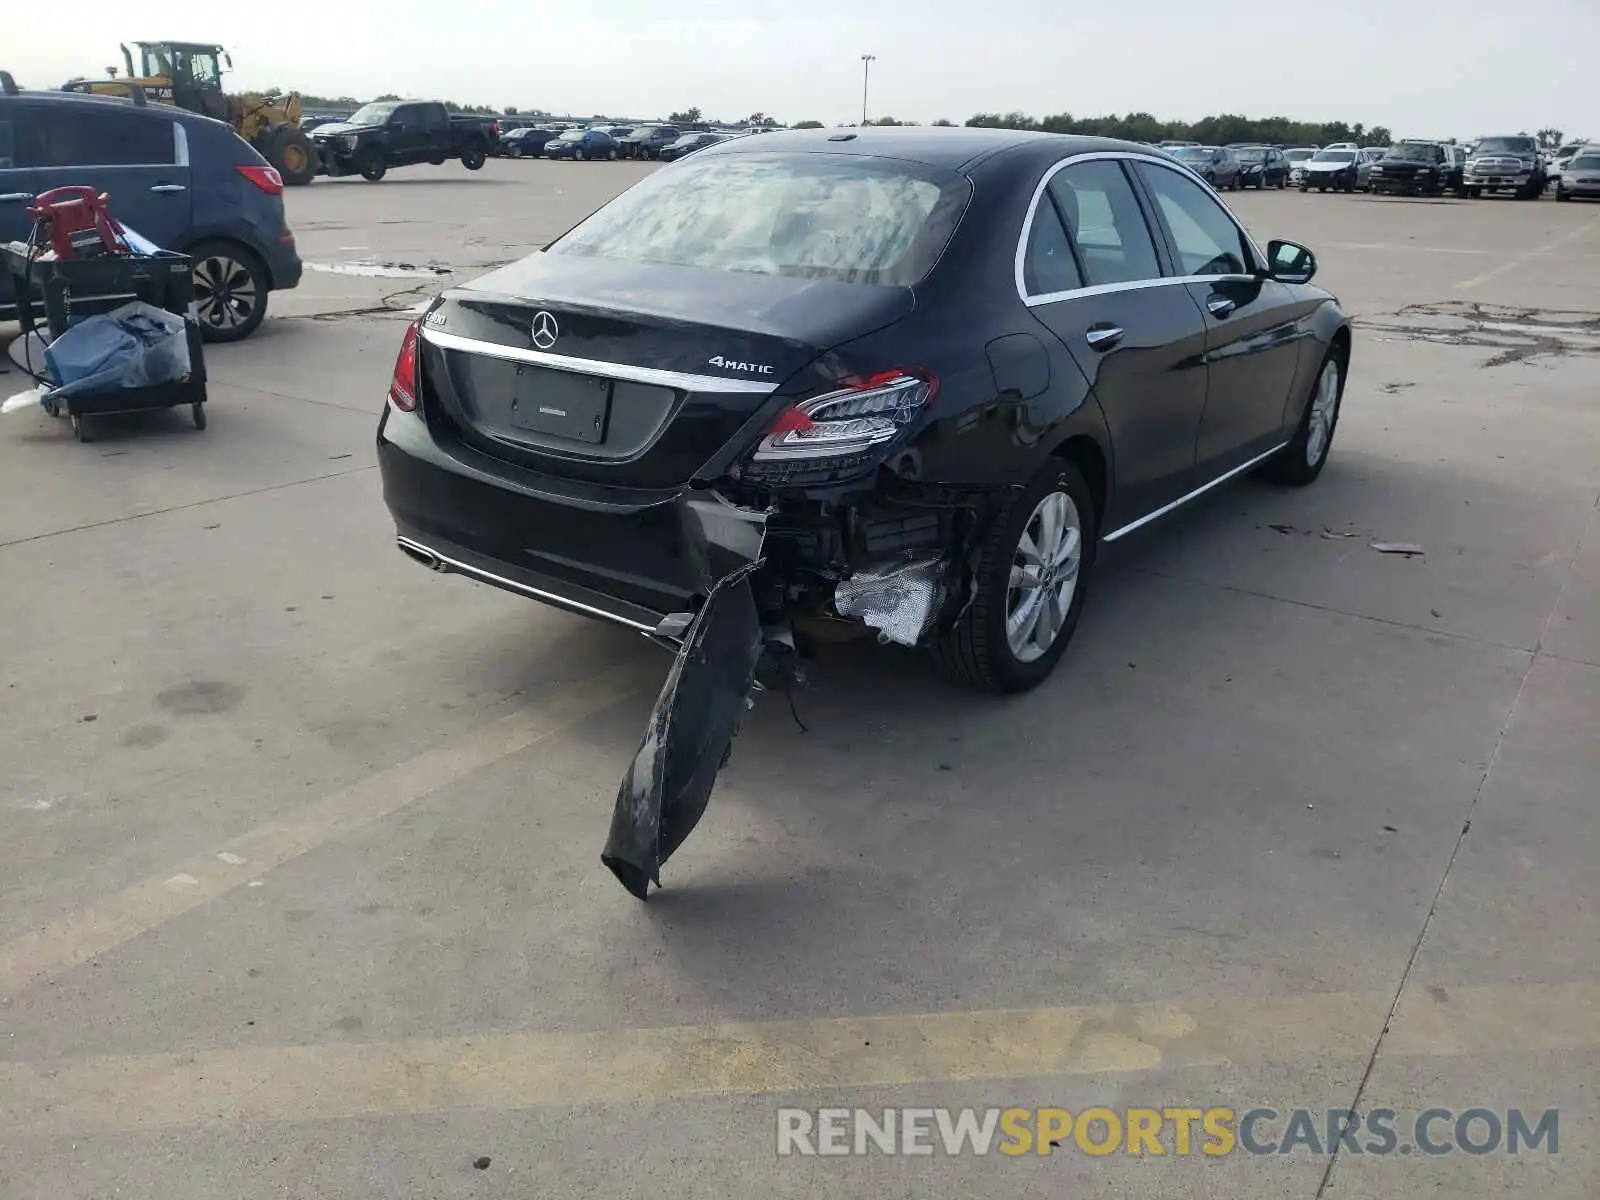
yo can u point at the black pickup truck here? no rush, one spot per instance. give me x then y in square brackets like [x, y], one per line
[401, 133]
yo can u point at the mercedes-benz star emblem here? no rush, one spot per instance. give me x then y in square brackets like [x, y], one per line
[545, 330]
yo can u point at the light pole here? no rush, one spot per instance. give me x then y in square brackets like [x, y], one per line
[866, 68]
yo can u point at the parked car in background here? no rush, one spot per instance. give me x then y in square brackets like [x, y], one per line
[402, 133]
[1298, 157]
[1217, 165]
[1341, 170]
[582, 144]
[615, 132]
[183, 181]
[688, 143]
[1419, 168]
[1580, 178]
[1564, 155]
[525, 143]
[307, 124]
[1507, 164]
[500, 127]
[1262, 166]
[707, 436]
[647, 141]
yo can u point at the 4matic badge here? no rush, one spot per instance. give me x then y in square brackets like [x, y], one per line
[730, 364]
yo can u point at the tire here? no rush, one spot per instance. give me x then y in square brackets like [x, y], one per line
[1530, 193]
[1561, 193]
[197, 414]
[1473, 193]
[292, 155]
[1305, 187]
[473, 158]
[80, 428]
[611, 155]
[580, 155]
[978, 650]
[1302, 460]
[230, 290]
[514, 152]
[373, 166]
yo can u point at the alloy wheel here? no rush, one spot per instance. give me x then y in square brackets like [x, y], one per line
[1324, 412]
[1044, 576]
[225, 292]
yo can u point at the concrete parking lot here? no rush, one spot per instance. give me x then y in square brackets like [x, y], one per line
[300, 890]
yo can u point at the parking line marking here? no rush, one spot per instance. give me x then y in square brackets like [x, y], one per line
[44, 953]
[522, 1070]
[1543, 251]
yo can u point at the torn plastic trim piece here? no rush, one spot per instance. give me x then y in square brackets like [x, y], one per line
[900, 599]
[689, 735]
[691, 728]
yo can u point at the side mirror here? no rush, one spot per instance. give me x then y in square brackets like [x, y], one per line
[1290, 262]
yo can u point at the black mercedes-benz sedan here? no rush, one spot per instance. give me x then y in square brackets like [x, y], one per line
[902, 381]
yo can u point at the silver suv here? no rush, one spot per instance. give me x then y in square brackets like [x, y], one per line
[1507, 164]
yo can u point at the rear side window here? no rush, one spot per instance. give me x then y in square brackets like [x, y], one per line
[102, 136]
[817, 216]
[1048, 265]
[8, 145]
[1105, 221]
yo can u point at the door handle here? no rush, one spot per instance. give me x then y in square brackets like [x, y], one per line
[1219, 306]
[1103, 336]
[169, 187]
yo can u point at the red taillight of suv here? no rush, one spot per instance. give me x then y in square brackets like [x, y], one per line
[265, 178]
[403, 385]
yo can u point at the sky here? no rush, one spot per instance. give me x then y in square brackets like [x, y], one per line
[1424, 68]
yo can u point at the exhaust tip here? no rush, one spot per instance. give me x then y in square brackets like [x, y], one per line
[422, 555]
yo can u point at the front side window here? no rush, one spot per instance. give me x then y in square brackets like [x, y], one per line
[1105, 222]
[96, 136]
[840, 217]
[1206, 239]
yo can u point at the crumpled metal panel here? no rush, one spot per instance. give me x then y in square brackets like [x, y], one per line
[900, 599]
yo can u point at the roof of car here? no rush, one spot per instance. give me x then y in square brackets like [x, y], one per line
[953, 146]
[60, 97]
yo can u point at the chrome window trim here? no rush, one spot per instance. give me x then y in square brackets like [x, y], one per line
[1199, 491]
[594, 366]
[1129, 285]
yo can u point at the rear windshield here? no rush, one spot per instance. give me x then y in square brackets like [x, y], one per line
[1507, 145]
[813, 216]
[1298, 155]
[1343, 156]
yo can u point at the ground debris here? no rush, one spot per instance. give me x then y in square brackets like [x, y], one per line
[1409, 549]
[1334, 533]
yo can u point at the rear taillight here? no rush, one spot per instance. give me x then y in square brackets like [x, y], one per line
[265, 178]
[842, 431]
[495, 128]
[403, 386]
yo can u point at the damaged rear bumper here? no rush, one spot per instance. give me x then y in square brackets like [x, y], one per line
[717, 576]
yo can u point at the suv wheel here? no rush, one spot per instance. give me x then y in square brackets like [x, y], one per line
[373, 164]
[473, 158]
[1029, 588]
[230, 290]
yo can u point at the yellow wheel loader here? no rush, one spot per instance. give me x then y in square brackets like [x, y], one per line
[189, 75]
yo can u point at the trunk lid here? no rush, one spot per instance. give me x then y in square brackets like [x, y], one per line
[628, 374]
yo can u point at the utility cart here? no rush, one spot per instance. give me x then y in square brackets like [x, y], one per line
[76, 287]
